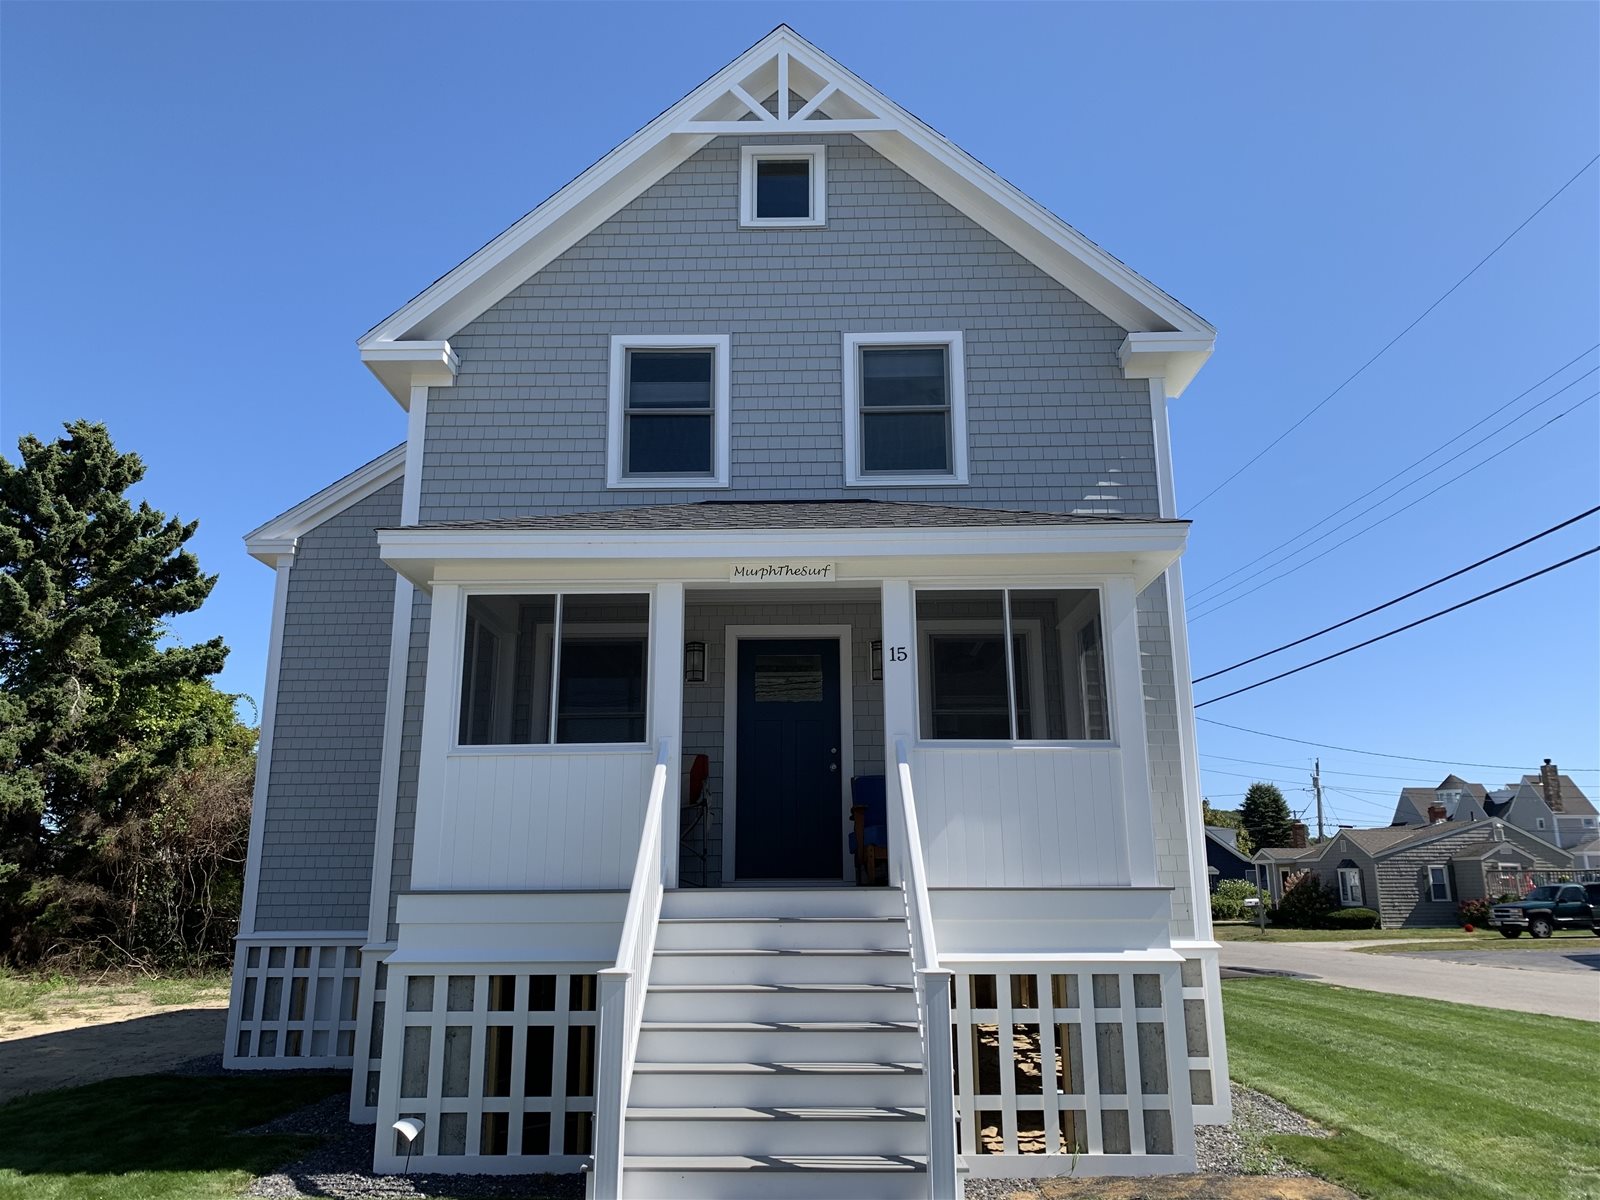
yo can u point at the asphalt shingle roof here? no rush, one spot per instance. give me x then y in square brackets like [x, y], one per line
[787, 514]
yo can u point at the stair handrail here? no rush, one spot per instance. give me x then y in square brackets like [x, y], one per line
[933, 990]
[622, 991]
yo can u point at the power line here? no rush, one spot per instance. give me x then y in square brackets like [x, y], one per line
[1382, 636]
[1390, 343]
[1197, 592]
[1288, 782]
[1443, 762]
[1391, 603]
[1391, 516]
[1326, 770]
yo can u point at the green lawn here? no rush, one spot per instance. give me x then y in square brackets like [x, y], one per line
[1565, 940]
[1238, 932]
[1430, 1101]
[153, 1137]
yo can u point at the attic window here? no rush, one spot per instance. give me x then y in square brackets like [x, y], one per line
[783, 187]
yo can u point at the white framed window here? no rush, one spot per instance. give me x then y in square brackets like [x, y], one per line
[668, 420]
[1439, 883]
[1350, 887]
[783, 187]
[1051, 687]
[554, 668]
[1539, 821]
[905, 409]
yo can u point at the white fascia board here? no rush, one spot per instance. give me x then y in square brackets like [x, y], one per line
[575, 210]
[1142, 550]
[270, 542]
[401, 366]
[1174, 358]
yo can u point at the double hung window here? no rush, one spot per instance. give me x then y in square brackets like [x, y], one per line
[1350, 887]
[1011, 665]
[668, 424]
[905, 409]
[554, 668]
[1439, 883]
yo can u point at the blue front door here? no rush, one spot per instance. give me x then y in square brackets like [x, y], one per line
[790, 812]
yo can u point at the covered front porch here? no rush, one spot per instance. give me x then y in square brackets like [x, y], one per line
[998, 652]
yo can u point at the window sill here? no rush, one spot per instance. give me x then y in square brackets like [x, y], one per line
[542, 749]
[896, 481]
[784, 223]
[1007, 744]
[666, 483]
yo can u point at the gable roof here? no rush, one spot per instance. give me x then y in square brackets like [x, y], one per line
[1228, 839]
[276, 539]
[1381, 843]
[1166, 338]
[1573, 801]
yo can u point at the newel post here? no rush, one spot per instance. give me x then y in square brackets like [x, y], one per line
[615, 985]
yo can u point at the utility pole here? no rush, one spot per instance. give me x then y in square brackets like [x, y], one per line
[1316, 786]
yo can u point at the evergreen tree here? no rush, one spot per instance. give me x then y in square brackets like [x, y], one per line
[87, 688]
[1265, 816]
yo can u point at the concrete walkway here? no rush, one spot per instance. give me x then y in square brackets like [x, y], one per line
[1548, 992]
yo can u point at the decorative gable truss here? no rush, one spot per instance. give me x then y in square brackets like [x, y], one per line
[785, 85]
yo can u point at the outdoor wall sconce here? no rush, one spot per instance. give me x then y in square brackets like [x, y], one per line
[877, 660]
[694, 662]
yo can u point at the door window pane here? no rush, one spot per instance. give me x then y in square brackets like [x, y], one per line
[783, 188]
[788, 678]
[602, 692]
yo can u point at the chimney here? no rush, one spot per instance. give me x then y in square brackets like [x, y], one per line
[1297, 835]
[1436, 813]
[1550, 784]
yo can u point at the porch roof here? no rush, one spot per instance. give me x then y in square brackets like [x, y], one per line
[868, 539]
[794, 514]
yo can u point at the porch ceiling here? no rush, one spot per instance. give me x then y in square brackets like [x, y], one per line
[869, 540]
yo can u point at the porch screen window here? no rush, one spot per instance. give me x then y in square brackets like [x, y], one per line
[542, 669]
[1050, 686]
[667, 420]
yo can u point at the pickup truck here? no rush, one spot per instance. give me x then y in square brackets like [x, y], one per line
[1547, 908]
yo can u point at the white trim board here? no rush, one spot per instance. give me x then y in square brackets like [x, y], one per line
[732, 635]
[852, 106]
[271, 541]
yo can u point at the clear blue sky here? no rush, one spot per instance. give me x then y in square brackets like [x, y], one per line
[205, 205]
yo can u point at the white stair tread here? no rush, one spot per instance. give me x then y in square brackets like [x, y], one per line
[776, 1162]
[769, 989]
[799, 951]
[778, 1027]
[778, 1068]
[786, 1113]
[806, 920]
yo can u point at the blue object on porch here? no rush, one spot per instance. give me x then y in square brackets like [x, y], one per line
[869, 841]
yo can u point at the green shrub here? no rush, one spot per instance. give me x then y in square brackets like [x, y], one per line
[1351, 918]
[1225, 908]
[1473, 912]
[1240, 890]
[1306, 901]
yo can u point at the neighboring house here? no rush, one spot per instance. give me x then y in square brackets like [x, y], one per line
[1548, 805]
[790, 436]
[1223, 857]
[1415, 876]
[1276, 865]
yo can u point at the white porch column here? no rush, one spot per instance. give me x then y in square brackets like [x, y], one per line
[666, 702]
[899, 691]
[443, 685]
[1127, 689]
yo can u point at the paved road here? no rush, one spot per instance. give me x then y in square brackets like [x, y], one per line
[1556, 993]
[1584, 961]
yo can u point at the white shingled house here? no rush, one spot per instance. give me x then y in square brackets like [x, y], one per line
[741, 742]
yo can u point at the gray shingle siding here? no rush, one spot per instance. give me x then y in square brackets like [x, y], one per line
[1051, 422]
[322, 789]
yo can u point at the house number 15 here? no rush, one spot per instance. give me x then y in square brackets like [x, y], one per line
[897, 654]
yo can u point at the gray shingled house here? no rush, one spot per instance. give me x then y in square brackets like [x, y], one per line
[763, 659]
[1417, 875]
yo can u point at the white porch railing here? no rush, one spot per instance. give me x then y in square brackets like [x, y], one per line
[933, 991]
[622, 993]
